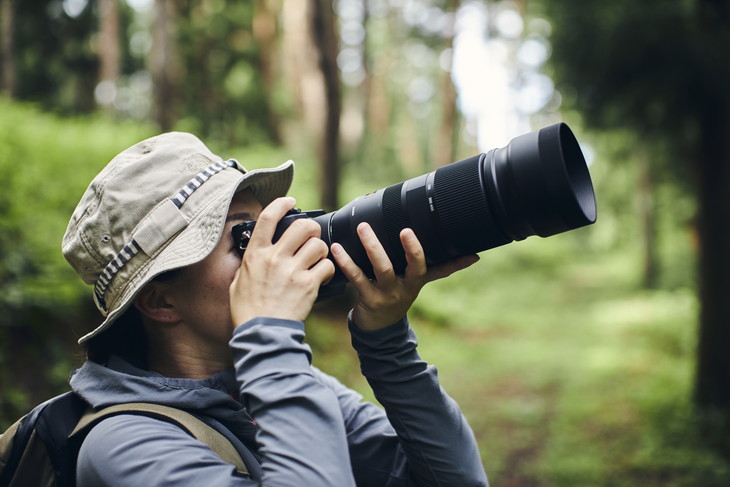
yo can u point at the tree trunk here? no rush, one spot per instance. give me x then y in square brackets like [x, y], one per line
[109, 57]
[7, 47]
[444, 152]
[265, 32]
[647, 220]
[161, 65]
[713, 372]
[301, 70]
[713, 368]
[325, 37]
[208, 97]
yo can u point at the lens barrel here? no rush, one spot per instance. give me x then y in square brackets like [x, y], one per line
[538, 184]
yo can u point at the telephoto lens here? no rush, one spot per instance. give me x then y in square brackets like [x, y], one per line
[538, 184]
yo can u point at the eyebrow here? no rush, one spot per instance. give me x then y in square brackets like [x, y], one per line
[244, 216]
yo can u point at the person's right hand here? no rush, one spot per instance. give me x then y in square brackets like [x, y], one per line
[280, 280]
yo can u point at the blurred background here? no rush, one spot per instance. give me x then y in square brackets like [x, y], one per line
[596, 357]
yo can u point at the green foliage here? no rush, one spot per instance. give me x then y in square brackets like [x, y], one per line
[637, 57]
[653, 68]
[56, 59]
[222, 94]
[46, 163]
[618, 156]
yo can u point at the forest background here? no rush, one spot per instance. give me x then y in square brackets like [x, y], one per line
[596, 357]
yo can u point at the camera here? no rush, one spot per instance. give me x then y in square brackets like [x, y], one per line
[538, 184]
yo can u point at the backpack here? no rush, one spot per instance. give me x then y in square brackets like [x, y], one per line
[41, 447]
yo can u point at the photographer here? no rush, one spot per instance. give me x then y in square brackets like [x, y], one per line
[191, 324]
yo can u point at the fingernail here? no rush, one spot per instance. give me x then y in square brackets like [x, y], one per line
[364, 229]
[336, 249]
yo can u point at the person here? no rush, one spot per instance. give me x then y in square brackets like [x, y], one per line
[192, 324]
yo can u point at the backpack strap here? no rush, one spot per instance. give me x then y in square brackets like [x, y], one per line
[6, 445]
[192, 425]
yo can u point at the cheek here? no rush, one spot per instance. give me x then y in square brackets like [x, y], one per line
[220, 276]
[210, 279]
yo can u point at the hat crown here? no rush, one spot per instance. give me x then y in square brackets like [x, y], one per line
[125, 192]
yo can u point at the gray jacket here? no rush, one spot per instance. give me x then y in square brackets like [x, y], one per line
[303, 427]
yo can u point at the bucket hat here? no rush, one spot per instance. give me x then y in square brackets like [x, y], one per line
[157, 206]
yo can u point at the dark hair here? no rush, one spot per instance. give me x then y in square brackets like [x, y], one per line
[126, 338]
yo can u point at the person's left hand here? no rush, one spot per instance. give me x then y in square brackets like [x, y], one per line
[385, 299]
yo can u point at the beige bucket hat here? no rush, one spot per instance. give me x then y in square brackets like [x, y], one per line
[157, 206]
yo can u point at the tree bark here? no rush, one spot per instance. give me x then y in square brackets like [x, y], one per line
[713, 371]
[109, 49]
[265, 32]
[161, 65]
[301, 70]
[444, 152]
[713, 367]
[7, 47]
[647, 218]
[325, 36]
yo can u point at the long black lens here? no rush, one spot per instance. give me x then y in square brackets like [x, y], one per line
[538, 184]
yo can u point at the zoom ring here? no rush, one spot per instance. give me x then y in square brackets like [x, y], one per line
[394, 220]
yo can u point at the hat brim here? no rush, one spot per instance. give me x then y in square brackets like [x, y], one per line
[202, 234]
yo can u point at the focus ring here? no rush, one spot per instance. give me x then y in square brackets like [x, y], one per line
[463, 209]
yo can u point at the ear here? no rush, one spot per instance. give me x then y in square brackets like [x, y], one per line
[153, 303]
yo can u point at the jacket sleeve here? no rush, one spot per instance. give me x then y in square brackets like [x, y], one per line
[435, 445]
[301, 437]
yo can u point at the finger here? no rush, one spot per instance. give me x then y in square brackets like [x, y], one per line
[268, 220]
[415, 257]
[351, 271]
[382, 266]
[313, 250]
[447, 268]
[323, 271]
[298, 233]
